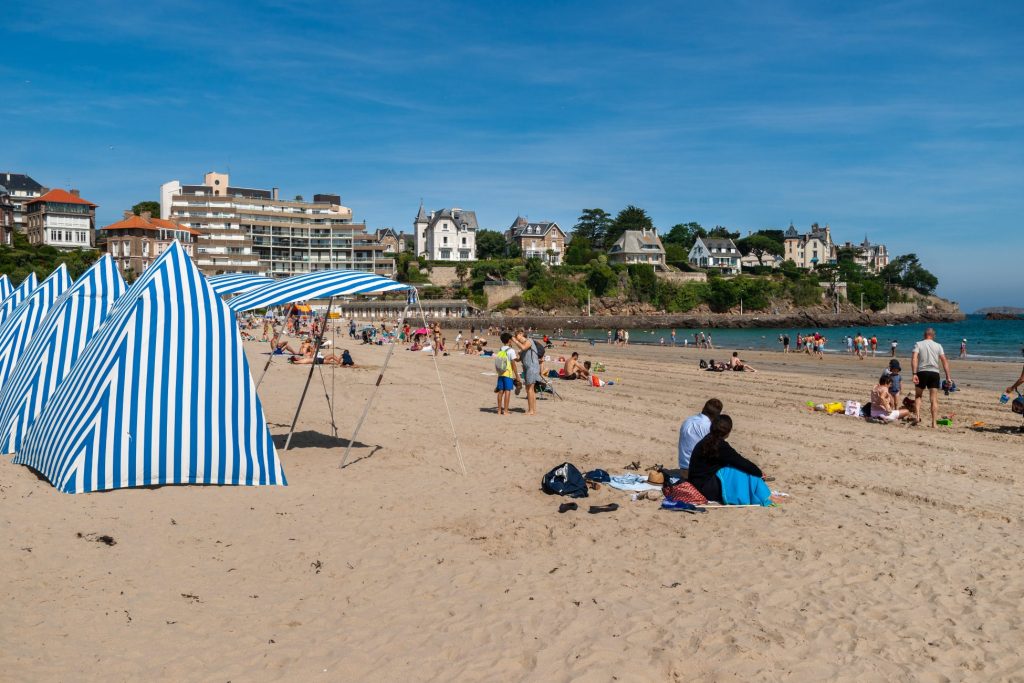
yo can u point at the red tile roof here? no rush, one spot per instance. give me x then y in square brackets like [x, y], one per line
[140, 223]
[61, 196]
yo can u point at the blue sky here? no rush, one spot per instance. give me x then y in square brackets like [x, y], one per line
[903, 121]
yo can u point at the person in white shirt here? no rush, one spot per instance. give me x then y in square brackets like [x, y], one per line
[924, 363]
[695, 428]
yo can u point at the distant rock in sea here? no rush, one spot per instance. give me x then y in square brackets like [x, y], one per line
[1001, 313]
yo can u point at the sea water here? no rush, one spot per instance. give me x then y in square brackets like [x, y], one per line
[986, 339]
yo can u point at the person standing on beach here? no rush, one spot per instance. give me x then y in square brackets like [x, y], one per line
[924, 363]
[963, 348]
[1015, 386]
[531, 368]
[507, 379]
[673, 337]
[893, 346]
[785, 343]
[874, 345]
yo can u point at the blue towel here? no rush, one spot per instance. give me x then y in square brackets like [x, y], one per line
[740, 488]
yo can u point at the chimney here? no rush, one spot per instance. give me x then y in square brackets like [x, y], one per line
[273, 193]
[128, 214]
[75, 193]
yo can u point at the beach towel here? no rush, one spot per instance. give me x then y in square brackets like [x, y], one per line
[740, 488]
[632, 482]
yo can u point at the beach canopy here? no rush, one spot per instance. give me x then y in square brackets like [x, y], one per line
[17, 329]
[55, 347]
[322, 284]
[5, 287]
[20, 293]
[162, 394]
[236, 283]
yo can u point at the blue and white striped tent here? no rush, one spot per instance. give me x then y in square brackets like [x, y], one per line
[14, 299]
[17, 329]
[161, 395]
[236, 283]
[322, 284]
[5, 287]
[58, 341]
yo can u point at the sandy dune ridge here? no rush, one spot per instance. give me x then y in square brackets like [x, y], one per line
[896, 557]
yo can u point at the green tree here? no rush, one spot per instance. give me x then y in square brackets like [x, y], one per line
[151, 206]
[643, 282]
[630, 218]
[684, 234]
[579, 252]
[490, 244]
[760, 246]
[907, 271]
[601, 277]
[593, 225]
[461, 270]
[675, 253]
[722, 232]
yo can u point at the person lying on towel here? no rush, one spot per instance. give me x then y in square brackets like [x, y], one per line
[714, 461]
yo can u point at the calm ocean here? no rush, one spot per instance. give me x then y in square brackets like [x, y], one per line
[986, 339]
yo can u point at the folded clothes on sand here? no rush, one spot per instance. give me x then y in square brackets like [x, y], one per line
[740, 488]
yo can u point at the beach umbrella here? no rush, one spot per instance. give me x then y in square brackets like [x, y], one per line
[162, 394]
[322, 284]
[14, 299]
[55, 347]
[5, 287]
[422, 330]
[237, 283]
[17, 329]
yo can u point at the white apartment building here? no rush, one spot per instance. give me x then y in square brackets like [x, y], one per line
[446, 234]
[247, 230]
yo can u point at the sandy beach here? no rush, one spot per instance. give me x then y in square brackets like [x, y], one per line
[896, 556]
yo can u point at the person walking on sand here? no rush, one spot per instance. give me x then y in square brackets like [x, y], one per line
[1015, 386]
[531, 368]
[925, 363]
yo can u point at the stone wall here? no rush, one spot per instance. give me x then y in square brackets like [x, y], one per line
[681, 277]
[497, 294]
[443, 276]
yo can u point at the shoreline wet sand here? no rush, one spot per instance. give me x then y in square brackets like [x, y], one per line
[896, 555]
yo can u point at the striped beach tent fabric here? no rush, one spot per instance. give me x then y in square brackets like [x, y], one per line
[161, 395]
[14, 299]
[17, 329]
[236, 283]
[321, 284]
[5, 287]
[58, 342]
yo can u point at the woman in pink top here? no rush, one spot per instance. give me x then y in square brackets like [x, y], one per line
[883, 403]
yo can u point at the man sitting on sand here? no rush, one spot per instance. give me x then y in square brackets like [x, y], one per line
[738, 364]
[279, 346]
[573, 369]
[695, 428]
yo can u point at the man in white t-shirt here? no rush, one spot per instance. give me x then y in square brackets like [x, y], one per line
[925, 363]
[695, 428]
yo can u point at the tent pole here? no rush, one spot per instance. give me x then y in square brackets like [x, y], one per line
[273, 329]
[444, 396]
[373, 394]
[309, 377]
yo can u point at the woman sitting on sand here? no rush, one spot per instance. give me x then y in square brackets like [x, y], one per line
[738, 364]
[883, 402]
[713, 453]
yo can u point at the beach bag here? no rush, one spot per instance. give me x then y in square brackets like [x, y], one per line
[565, 480]
[703, 365]
[853, 408]
[1017, 405]
[686, 492]
[501, 362]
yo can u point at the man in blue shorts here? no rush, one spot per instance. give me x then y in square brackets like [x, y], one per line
[506, 379]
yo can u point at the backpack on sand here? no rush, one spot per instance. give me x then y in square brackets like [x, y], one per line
[565, 480]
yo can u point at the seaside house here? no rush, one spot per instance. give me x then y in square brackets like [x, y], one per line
[715, 254]
[6, 216]
[61, 219]
[252, 230]
[810, 249]
[446, 234]
[134, 242]
[638, 246]
[872, 257]
[767, 260]
[391, 242]
[544, 240]
[21, 189]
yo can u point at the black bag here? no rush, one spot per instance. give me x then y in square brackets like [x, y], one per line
[565, 480]
[1018, 405]
[703, 365]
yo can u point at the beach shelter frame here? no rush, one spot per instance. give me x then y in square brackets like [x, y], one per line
[331, 284]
